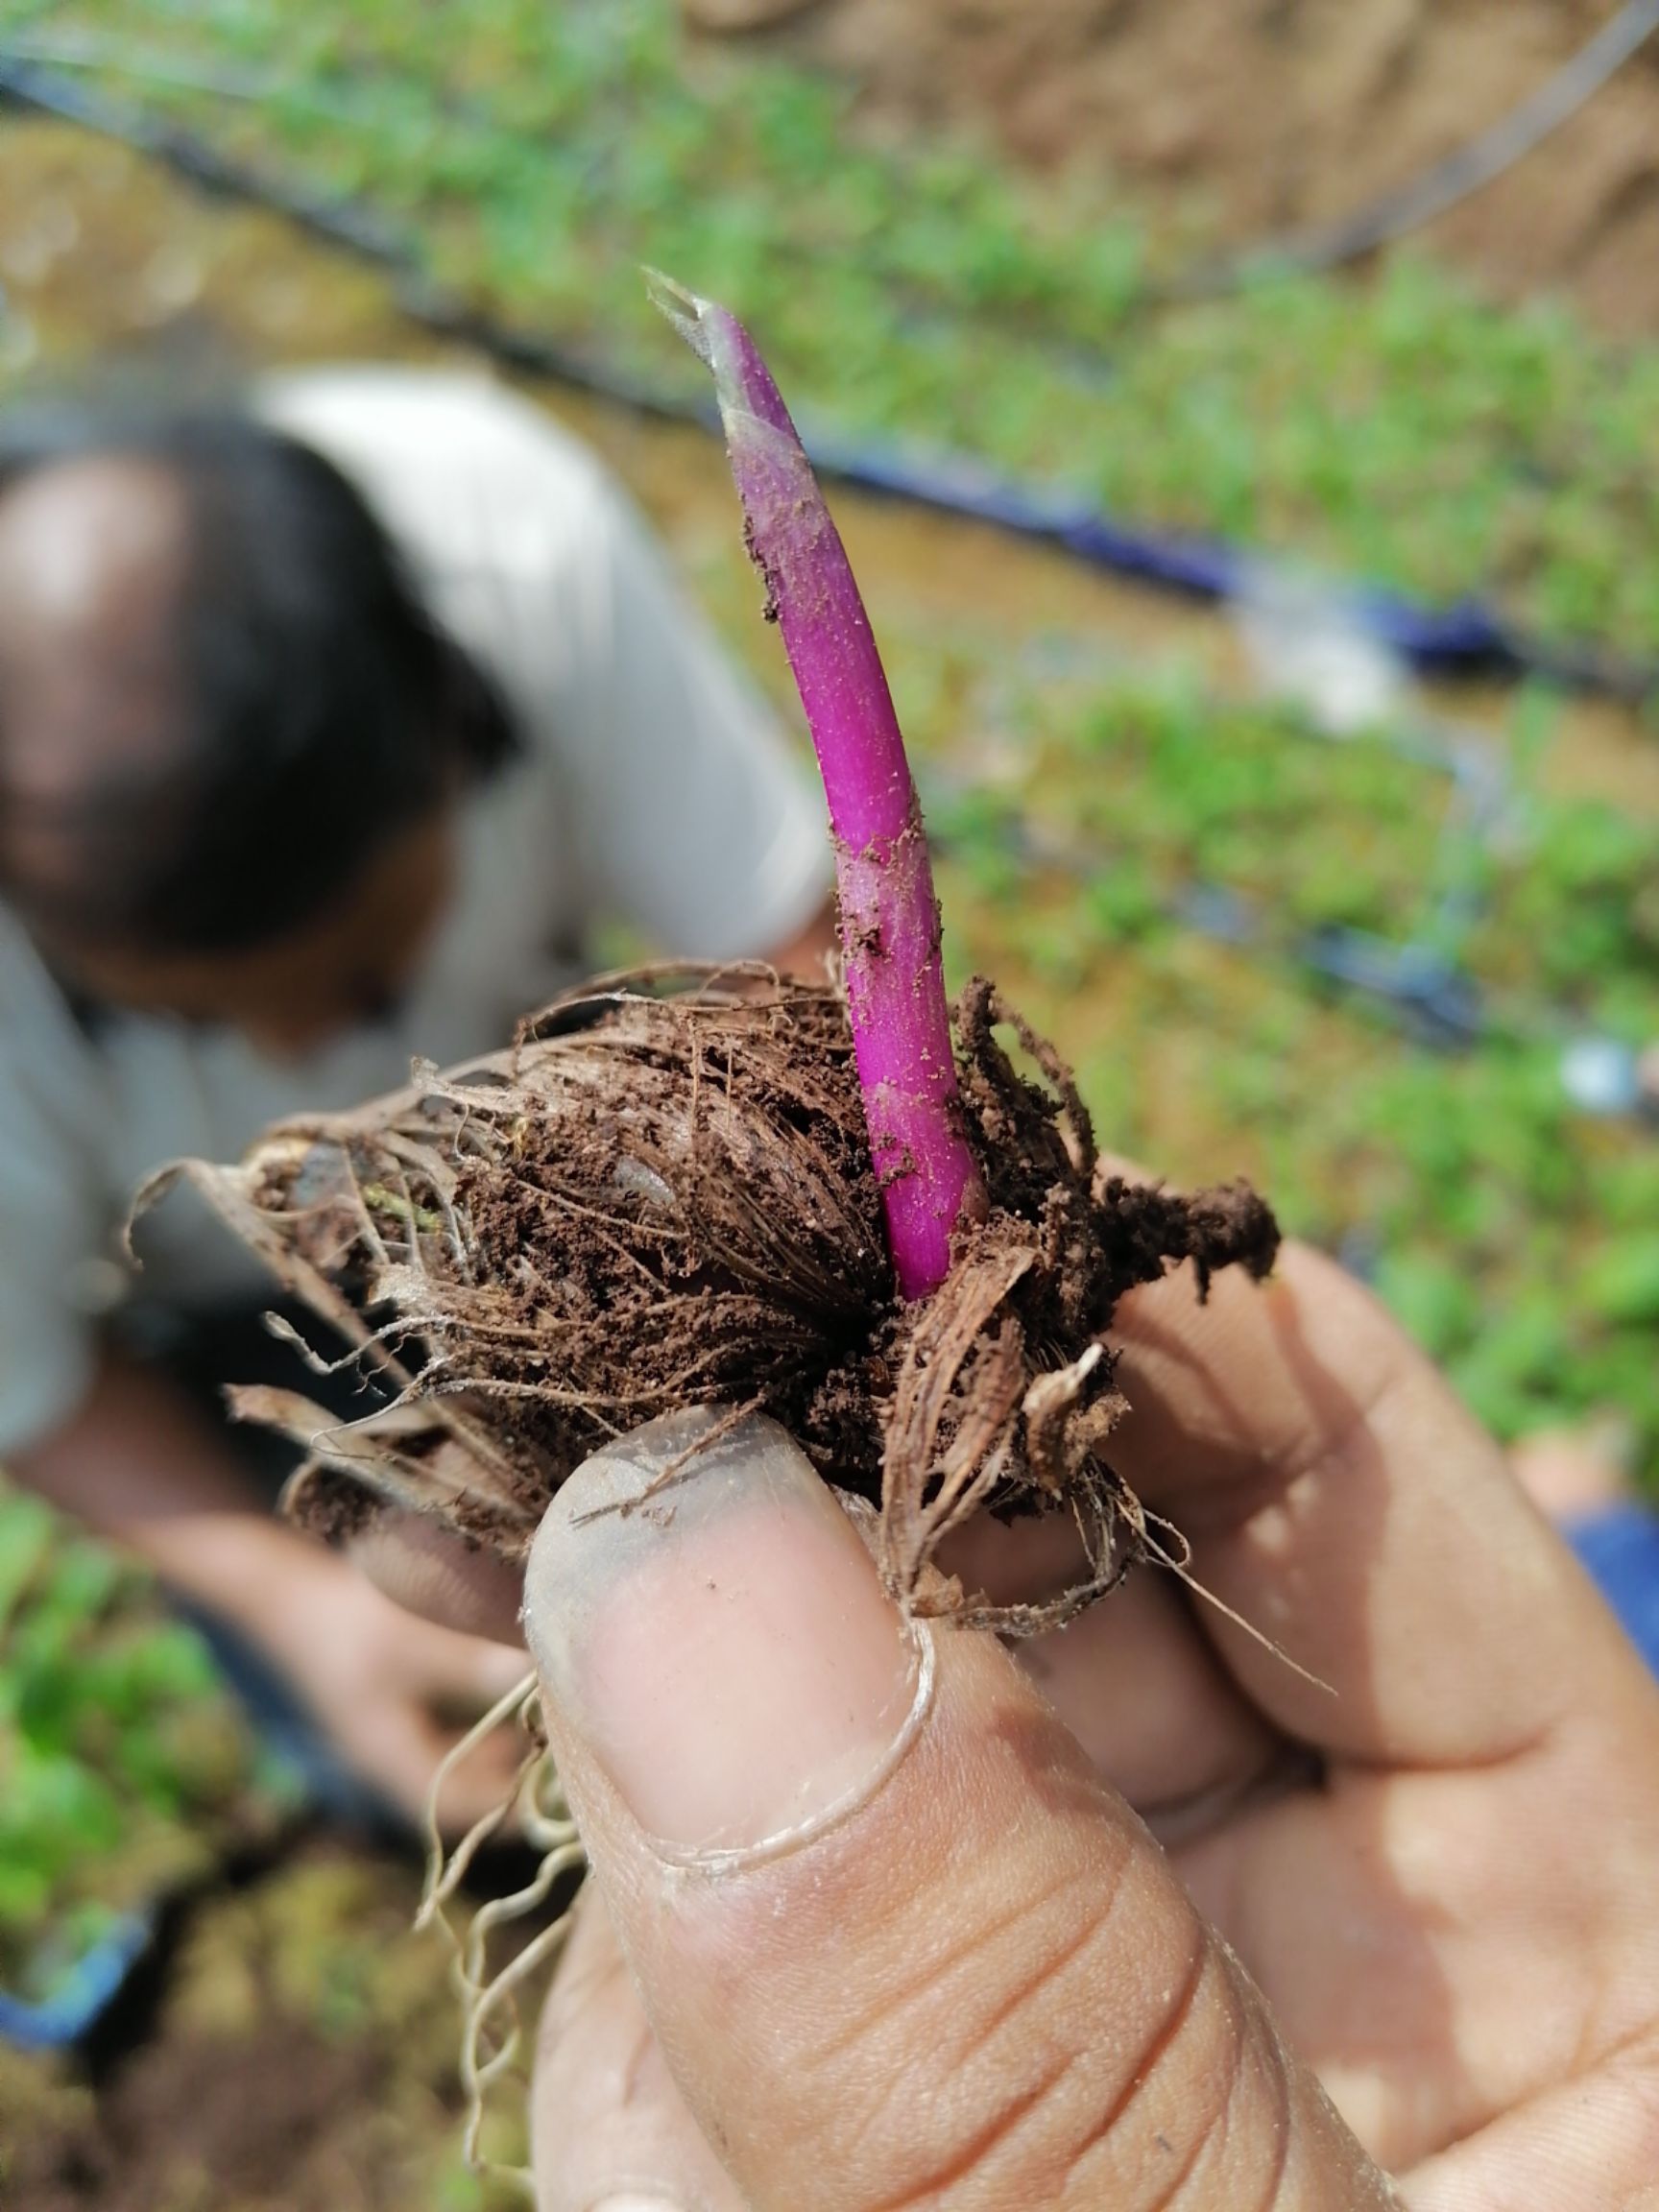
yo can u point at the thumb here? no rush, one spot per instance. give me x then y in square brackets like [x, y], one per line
[899, 1946]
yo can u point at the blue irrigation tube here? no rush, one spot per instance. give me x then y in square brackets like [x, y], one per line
[1466, 638]
[323, 1784]
[82, 1995]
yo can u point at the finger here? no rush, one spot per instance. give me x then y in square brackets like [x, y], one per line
[1157, 1713]
[1142, 1689]
[449, 1682]
[481, 1786]
[610, 2132]
[399, 1748]
[431, 1570]
[428, 1686]
[462, 1683]
[897, 1942]
[1569, 1473]
[1346, 1505]
[1590, 2145]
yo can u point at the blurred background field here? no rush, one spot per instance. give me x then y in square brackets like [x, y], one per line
[1176, 834]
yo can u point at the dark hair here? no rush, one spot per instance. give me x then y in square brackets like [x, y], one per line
[324, 706]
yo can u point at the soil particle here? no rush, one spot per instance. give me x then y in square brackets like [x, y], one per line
[231, 2109]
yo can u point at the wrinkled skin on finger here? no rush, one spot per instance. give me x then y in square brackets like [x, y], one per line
[1421, 1802]
[1455, 1803]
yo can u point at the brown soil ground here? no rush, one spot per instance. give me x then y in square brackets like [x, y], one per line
[297, 2054]
[1266, 115]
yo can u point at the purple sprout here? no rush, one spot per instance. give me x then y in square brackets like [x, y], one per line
[889, 913]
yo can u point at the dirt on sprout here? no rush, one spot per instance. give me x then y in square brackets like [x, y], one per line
[664, 1198]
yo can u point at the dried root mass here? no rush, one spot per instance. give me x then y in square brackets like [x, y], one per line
[654, 1201]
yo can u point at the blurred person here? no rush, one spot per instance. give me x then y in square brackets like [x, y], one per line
[328, 728]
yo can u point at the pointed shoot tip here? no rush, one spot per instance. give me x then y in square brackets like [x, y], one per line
[684, 309]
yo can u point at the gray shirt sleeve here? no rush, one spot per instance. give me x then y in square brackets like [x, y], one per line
[52, 1215]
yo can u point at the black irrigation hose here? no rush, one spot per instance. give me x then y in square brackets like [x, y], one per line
[1464, 639]
[1467, 169]
[336, 221]
[26, 83]
[1430, 993]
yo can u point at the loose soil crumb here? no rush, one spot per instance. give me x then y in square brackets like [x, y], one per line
[657, 1202]
[1272, 115]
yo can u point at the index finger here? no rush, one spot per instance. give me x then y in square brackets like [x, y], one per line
[1345, 1503]
[439, 1574]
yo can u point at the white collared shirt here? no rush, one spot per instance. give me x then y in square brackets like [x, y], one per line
[655, 785]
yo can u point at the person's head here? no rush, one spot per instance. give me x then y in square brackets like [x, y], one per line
[230, 735]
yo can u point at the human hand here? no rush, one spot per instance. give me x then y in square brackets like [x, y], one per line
[139, 1464]
[920, 1952]
[393, 1693]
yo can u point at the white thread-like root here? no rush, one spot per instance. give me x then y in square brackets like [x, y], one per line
[492, 2031]
[444, 1873]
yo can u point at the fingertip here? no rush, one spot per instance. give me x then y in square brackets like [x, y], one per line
[711, 1629]
[439, 1574]
[1251, 1379]
[610, 2129]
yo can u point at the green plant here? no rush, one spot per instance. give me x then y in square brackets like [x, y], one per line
[121, 1757]
[1396, 425]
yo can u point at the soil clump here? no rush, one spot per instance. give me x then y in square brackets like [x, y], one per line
[653, 1202]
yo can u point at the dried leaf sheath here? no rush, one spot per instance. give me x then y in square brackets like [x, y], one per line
[655, 1202]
